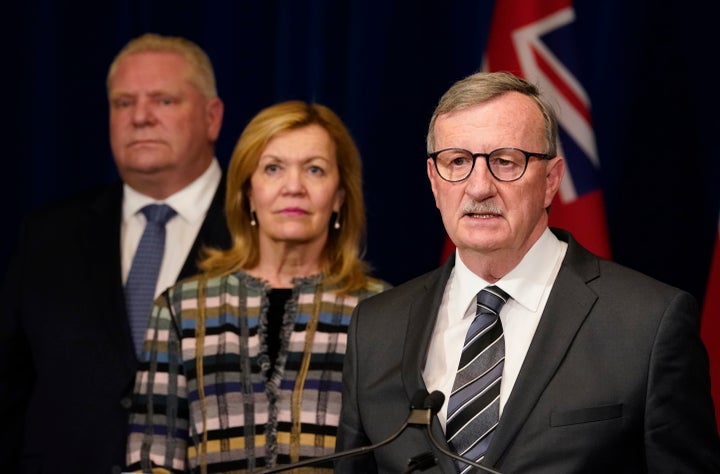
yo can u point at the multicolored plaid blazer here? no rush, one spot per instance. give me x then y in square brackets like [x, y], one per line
[203, 401]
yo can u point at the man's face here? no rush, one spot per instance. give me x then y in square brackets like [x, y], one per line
[482, 214]
[162, 129]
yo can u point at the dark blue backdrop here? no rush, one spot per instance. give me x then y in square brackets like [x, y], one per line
[382, 65]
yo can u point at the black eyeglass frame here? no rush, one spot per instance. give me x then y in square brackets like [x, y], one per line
[475, 156]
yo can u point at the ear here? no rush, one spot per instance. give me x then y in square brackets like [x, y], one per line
[339, 200]
[553, 177]
[214, 115]
[433, 177]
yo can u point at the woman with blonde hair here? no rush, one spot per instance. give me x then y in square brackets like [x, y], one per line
[242, 364]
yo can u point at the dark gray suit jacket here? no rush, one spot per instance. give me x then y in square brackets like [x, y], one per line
[67, 363]
[615, 379]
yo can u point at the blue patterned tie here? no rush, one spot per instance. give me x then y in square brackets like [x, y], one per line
[142, 279]
[474, 404]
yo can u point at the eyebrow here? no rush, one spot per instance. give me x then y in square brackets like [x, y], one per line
[303, 160]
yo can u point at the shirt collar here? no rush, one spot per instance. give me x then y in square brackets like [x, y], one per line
[525, 283]
[466, 285]
[529, 280]
[190, 203]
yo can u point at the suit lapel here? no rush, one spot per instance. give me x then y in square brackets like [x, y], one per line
[568, 305]
[421, 316]
[212, 233]
[103, 242]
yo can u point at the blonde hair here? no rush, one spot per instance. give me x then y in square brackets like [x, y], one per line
[202, 75]
[342, 262]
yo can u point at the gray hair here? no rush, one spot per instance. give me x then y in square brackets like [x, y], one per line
[484, 86]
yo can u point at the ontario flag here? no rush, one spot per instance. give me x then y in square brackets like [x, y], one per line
[711, 324]
[535, 39]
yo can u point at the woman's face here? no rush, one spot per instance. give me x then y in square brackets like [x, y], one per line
[296, 187]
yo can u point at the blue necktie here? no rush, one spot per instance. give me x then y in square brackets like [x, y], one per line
[142, 279]
[474, 404]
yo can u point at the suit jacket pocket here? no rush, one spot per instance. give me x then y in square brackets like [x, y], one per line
[585, 415]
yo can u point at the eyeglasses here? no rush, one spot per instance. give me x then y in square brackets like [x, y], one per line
[505, 164]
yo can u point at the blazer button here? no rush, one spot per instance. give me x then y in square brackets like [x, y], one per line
[126, 403]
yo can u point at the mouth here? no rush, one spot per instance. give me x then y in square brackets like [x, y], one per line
[475, 215]
[144, 142]
[481, 210]
[293, 211]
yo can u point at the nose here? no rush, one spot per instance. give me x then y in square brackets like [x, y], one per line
[293, 183]
[480, 183]
[142, 114]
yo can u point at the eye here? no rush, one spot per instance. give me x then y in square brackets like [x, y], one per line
[507, 158]
[501, 161]
[460, 160]
[166, 100]
[272, 168]
[316, 170]
[122, 102]
[455, 158]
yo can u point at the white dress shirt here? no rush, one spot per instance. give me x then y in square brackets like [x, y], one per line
[528, 285]
[191, 205]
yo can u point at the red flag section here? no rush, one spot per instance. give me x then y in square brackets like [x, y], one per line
[590, 229]
[534, 39]
[711, 325]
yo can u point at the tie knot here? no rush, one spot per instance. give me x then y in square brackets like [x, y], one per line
[158, 213]
[491, 298]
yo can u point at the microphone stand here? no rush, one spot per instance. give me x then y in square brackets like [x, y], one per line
[419, 417]
[449, 453]
[434, 401]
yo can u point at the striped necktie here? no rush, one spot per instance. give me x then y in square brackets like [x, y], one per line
[145, 268]
[474, 404]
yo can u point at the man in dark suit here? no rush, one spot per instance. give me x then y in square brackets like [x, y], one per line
[67, 357]
[571, 363]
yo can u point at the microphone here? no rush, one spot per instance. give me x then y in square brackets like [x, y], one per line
[420, 414]
[434, 402]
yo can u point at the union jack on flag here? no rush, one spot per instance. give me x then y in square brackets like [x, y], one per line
[535, 40]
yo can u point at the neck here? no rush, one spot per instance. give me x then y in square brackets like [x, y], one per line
[286, 262]
[490, 266]
[162, 182]
[493, 264]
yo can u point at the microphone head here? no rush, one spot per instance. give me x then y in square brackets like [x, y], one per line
[434, 401]
[419, 399]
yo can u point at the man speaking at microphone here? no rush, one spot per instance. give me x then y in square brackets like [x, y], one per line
[551, 359]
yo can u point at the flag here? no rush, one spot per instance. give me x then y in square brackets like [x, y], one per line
[534, 39]
[711, 324]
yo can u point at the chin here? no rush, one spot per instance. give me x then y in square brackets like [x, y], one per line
[478, 244]
[147, 162]
[292, 237]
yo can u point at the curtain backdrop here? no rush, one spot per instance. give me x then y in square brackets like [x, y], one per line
[382, 65]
